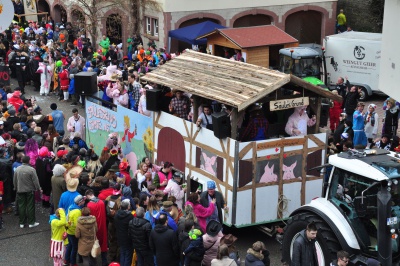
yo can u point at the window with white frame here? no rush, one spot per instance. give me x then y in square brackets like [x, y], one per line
[155, 27]
[148, 25]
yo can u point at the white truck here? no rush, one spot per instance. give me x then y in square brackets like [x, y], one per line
[357, 56]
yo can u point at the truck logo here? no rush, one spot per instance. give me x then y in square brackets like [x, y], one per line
[359, 52]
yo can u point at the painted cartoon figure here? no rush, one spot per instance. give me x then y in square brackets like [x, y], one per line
[288, 172]
[127, 138]
[208, 163]
[269, 175]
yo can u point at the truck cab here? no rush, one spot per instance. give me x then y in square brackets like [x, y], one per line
[359, 210]
[303, 62]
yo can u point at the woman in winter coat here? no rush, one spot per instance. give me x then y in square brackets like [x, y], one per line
[391, 120]
[202, 213]
[58, 185]
[223, 257]
[371, 120]
[86, 233]
[255, 255]
[211, 242]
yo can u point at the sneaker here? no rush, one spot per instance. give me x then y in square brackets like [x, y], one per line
[21, 226]
[73, 104]
[33, 225]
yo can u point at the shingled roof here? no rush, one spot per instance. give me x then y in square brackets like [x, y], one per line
[254, 36]
[234, 83]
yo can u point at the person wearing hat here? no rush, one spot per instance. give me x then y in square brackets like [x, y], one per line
[164, 243]
[58, 119]
[166, 209]
[94, 166]
[57, 222]
[43, 170]
[174, 188]
[74, 212]
[58, 185]
[391, 118]
[113, 204]
[233, 253]
[207, 196]
[121, 221]
[299, 121]
[194, 252]
[25, 183]
[180, 105]
[20, 62]
[11, 120]
[383, 143]
[371, 120]
[211, 241]
[72, 181]
[255, 256]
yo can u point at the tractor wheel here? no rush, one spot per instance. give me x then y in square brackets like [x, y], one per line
[326, 244]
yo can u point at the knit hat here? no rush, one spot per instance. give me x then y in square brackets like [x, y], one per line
[78, 199]
[61, 153]
[123, 166]
[210, 185]
[11, 112]
[44, 152]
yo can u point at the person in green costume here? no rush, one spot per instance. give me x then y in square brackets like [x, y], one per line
[104, 44]
[130, 48]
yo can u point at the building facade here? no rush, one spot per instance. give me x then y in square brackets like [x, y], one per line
[306, 20]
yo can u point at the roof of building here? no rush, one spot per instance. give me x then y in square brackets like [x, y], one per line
[254, 36]
[234, 83]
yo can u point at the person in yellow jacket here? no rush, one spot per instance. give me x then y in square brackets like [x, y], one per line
[57, 222]
[341, 22]
[74, 212]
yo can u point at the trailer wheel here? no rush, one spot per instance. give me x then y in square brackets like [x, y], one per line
[326, 244]
[364, 94]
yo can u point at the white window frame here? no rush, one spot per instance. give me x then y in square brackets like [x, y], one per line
[155, 27]
[148, 25]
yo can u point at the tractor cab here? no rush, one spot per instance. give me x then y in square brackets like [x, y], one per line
[303, 62]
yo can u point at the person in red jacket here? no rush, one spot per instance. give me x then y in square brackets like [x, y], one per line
[64, 82]
[334, 113]
[16, 100]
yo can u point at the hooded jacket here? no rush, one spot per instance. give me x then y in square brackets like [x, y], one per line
[86, 233]
[164, 244]
[139, 232]
[304, 253]
[254, 258]
[74, 212]
[211, 244]
[121, 223]
[57, 225]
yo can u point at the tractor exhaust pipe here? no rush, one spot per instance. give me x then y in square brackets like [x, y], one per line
[384, 236]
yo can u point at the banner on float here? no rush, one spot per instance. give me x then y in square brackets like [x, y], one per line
[6, 14]
[5, 75]
[133, 131]
[30, 10]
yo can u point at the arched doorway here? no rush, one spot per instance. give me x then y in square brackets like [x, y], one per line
[252, 20]
[114, 28]
[43, 6]
[78, 21]
[59, 14]
[179, 46]
[305, 26]
[171, 148]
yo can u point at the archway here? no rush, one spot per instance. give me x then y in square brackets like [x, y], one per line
[78, 21]
[43, 6]
[114, 28]
[305, 26]
[59, 13]
[179, 46]
[171, 148]
[252, 20]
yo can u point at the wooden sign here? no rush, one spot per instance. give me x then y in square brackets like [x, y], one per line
[288, 103]
[280, 143]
